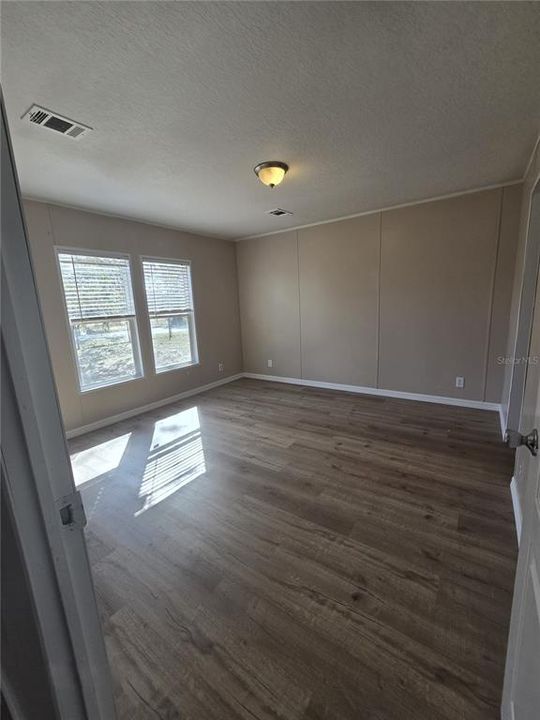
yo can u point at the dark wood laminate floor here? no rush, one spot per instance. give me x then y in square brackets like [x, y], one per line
[269, 551]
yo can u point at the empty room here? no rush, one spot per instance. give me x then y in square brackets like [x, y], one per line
[270, 360]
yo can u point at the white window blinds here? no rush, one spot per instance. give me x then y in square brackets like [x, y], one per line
[168, 287]
[96, 287]
[101, 316]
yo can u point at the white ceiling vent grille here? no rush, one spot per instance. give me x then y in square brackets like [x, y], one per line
[37, 115]
[278, 212]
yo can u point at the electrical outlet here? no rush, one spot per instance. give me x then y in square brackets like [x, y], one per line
[270, 363]
[460, 382]
[220, 367]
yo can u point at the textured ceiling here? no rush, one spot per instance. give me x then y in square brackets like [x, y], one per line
[371, 104]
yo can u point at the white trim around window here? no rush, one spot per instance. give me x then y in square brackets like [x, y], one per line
[91, 307]
[170, 311]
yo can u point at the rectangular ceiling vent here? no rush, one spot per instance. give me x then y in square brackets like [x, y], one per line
[37, 115]
[278, 212]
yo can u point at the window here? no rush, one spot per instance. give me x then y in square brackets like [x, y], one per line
[170, 306]
[101, 314]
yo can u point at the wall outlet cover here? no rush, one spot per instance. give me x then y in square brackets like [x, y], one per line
[270, 363]
[460, 382]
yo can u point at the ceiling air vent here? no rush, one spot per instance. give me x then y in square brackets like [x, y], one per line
[278, 212]
[53, 121]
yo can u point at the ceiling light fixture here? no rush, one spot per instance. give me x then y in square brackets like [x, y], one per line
[271, 172]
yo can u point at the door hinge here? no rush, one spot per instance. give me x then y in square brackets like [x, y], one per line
[71, 510]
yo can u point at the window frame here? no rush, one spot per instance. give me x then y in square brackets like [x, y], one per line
[191, 315]
[133, 320]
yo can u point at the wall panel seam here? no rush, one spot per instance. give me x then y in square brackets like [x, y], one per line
[299, 302]
[240, 328]
[492, 292]
[379, 301]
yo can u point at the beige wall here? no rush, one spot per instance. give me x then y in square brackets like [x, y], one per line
[215, 293]
[405, 299]
[437, 266]
[339, 289]
[269, 305]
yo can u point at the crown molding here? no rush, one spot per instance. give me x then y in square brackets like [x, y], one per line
[383, 209]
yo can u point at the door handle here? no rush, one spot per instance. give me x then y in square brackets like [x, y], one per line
[515, 439]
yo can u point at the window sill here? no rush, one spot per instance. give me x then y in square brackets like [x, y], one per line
[86, 391]
[174, 368]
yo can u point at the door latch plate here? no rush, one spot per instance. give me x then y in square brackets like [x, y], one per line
[71, 511]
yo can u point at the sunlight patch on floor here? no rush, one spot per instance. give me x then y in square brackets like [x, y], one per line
[98, 460]
[175, 459]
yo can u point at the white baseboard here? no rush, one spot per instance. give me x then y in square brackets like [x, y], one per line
[517, 508]
[460, 402]
[151, 406]
[507, 710]
[503, 420]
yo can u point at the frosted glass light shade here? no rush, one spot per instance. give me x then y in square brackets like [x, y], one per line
[271, 173]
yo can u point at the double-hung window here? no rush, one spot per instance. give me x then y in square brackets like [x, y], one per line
[170, 307]
[101, 315]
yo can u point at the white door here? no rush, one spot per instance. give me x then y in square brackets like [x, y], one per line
[39, 488]
[526, 307]
[521, 694]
